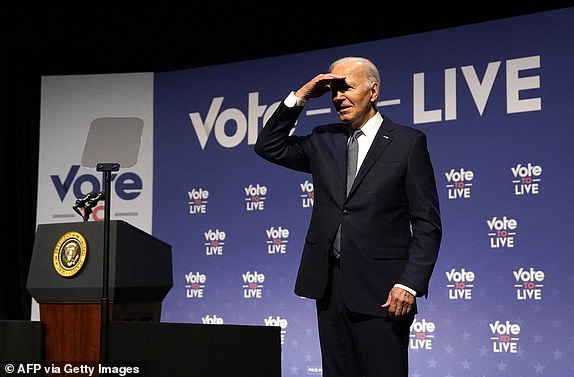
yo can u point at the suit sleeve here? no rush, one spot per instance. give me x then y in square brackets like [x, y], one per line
[275, 144]
[424, 214]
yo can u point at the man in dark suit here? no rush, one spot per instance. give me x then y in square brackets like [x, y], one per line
[373, 242]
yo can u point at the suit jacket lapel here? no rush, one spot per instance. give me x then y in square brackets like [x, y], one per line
[382, 140]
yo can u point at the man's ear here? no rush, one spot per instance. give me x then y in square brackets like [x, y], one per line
[374, 91]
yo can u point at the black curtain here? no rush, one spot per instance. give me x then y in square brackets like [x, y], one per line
[19, 124]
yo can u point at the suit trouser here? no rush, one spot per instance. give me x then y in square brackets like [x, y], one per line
[359, 345]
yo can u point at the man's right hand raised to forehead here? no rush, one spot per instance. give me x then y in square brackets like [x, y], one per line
[318, 86]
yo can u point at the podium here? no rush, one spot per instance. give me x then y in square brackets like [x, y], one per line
[65, 278]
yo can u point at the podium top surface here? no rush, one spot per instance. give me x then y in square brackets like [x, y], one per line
[67, 263]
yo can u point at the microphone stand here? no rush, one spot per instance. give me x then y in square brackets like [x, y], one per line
[107, 169]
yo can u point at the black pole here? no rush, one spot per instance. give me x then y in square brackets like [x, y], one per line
[107, 169]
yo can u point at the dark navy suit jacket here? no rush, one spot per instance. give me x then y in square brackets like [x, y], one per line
[391, 226]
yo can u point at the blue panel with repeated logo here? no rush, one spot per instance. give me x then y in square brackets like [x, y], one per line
[495, 100]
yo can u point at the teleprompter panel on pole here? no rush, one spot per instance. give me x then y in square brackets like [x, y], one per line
[112, 143]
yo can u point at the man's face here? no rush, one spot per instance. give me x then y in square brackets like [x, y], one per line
[353, 98]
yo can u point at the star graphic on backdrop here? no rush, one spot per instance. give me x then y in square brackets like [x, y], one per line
[539, 368]
[294, 370]
[557, 353]
[415, 374]
[294, 344]
[483, 351]
[465, 336]
[466, 365]
[501, 366]
[432, 362]
[520, 353]
[308, 357]
[448, 350]
[556, 324]
[537, 338]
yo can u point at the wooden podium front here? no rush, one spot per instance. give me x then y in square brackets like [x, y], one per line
[72, 330]
[65, 278]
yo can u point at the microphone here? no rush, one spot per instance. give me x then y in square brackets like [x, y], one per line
[92, 198]
[88, 202]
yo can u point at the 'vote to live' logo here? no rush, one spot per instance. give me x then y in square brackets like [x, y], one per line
[277, 239]
[279, 322]
[255, 197]
[502, 232]
[526, 179]
[198, 201]
[253, 284]
[504, 336]
[214, 241]
[195, 284]
[529, 283]
[307, 194]
[422, 334]
[459, 183]
[460, 284]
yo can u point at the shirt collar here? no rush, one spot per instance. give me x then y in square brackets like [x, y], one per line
[371, 128]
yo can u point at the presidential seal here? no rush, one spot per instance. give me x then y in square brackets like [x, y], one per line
[70, 254]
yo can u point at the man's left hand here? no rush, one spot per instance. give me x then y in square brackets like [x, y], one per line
[399, 302]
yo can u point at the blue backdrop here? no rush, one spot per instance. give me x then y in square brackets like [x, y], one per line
[495, 100]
